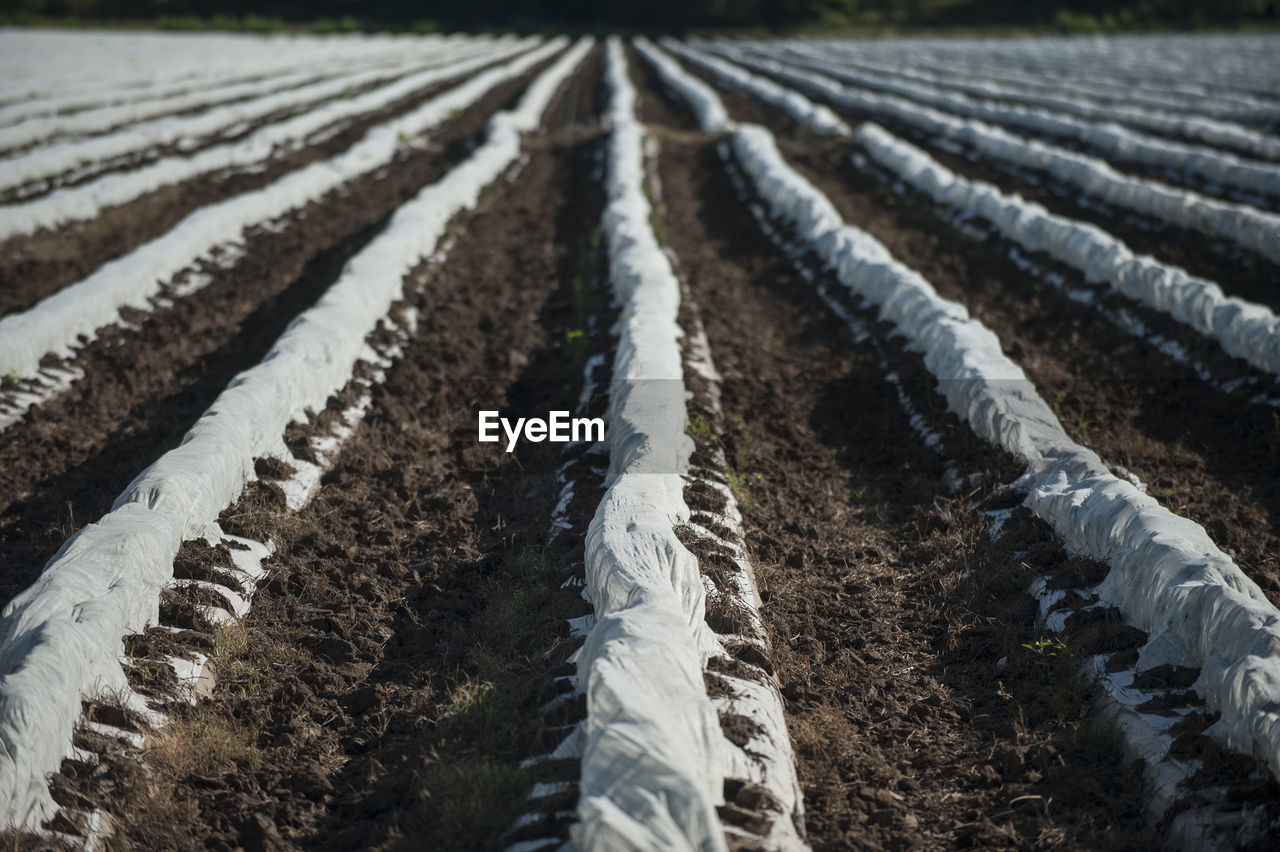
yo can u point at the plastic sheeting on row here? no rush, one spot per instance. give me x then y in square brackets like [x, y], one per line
[1184, 123]
[651, 743]
[233, 67]
[1166, 576]
[55, 323]
[1210, 164]
[55, 158]
[1247, 226]
[112, 116]
[1245, 329]
[1201, 64]
[794, 104]
[702, 99]
[1181, 98]
[59, 639]
[40, 66]
[84, 201]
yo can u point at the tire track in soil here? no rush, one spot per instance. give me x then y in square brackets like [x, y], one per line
[387, 680]
[68, 459]
[1207, 455]
[1238, 271]
[33, 267]
[887, 604]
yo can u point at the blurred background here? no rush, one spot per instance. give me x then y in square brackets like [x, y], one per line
[743, 16]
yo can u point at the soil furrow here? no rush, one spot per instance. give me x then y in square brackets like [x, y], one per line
[144, 385]
[385, 686]
[1208, 455]
[887, 604]
[35, 266]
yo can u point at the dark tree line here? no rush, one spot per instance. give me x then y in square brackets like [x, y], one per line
[666, 15]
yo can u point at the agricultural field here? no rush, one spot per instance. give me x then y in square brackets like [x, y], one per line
[473, 442]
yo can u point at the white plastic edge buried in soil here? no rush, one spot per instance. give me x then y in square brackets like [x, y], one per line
[62, 156]
[1247, 226]
[651, 742]
[86, 200]
[1244, 329]
[1166, 576]
[767, 758]
[60, 639]
[55, 323]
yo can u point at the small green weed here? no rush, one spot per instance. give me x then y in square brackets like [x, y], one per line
[699, 425]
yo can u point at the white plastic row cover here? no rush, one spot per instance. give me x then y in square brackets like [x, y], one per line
[1179, 98]
[100, 119]
[234, 67]
[39, 65]
[1244, 329]
[651, 742]
[1184, 122]
[1247, 226]
[1210, 164]
[60, 639]
[702, 99]
[55, 323]
[796, 105]
[67, 155]
[1203, 64]
[1167, 577]
[84, 201]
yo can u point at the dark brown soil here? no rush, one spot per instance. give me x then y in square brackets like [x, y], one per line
[391, 671]
[65, 462]
[887, 604]
[36, 266]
